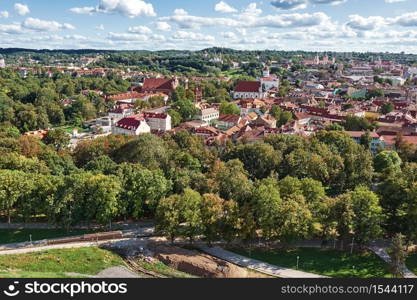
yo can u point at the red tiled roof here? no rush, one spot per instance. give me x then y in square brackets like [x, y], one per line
[157, 84]
[149, 115]
[130, 123]
[248, 87]
[126, 96]
[358, 134]
[390, 139]
[229, 118]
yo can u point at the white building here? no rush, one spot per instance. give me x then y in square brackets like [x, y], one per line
[249, 89]
[158, 122]
[268, 81]
[208, 115]
[133, 125]
[2, 63]
[120, 113]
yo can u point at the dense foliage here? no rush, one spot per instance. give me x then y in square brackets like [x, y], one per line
[286, 188]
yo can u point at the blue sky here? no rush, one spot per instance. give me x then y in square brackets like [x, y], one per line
[314, 25]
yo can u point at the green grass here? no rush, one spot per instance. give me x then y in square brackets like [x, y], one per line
[161, 268]
[57, 262]
[330, 263]
[411, 262]
[70, 129]
[8, 236]
[14, 274]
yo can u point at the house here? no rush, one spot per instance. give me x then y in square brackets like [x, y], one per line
[377, 142]
[159, 85]
[226, 122]
[40, 134]
[158, 122]
[266, 121]
[248, 106]
[249, 89]
[122, 111]
[133, 125]
[103, 125]
[129, 97]
[208, 114]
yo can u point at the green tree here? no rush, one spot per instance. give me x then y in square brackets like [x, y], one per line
[398, 256]
[58, 138]
[228, 108]
[267, 203]
[168, 216]
[295, 219]
[387, 161]
[387, 107]
[366, 214]
[212, 213]
[14, 185]
[99, 198]
[142, 189]
[260, 159]
[191, 213]
[233, 182]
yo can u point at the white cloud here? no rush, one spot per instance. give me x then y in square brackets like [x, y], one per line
[394, 1]
[180, 12]
[162, 26]
[100, 27]
[192, 36]
[129, 8]
[289, 4]
[187, 21]
[140, 29]
[301, 4]
[228, 35]
[158, 37]
[11, 28]
[242, 31]
[370, 23]
[127, 37]
[223, 7]
[41, 25]
[87, 10]
[249, 19]
[407, 20]
[21, 9]
[4, 14]
[331, 2]
[252, 10]
[76, 37]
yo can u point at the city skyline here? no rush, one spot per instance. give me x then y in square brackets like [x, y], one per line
[310, 25]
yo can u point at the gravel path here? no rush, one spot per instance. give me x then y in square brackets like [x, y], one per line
[258, 265]
[117, 272]
[385, 257]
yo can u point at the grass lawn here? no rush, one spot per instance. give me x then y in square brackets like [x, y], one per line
[412, 262]
[330, 263]
[8, 236]
[161, 268]
[70, 129]
[57, 262]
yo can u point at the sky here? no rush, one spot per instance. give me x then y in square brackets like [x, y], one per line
[311, 25]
